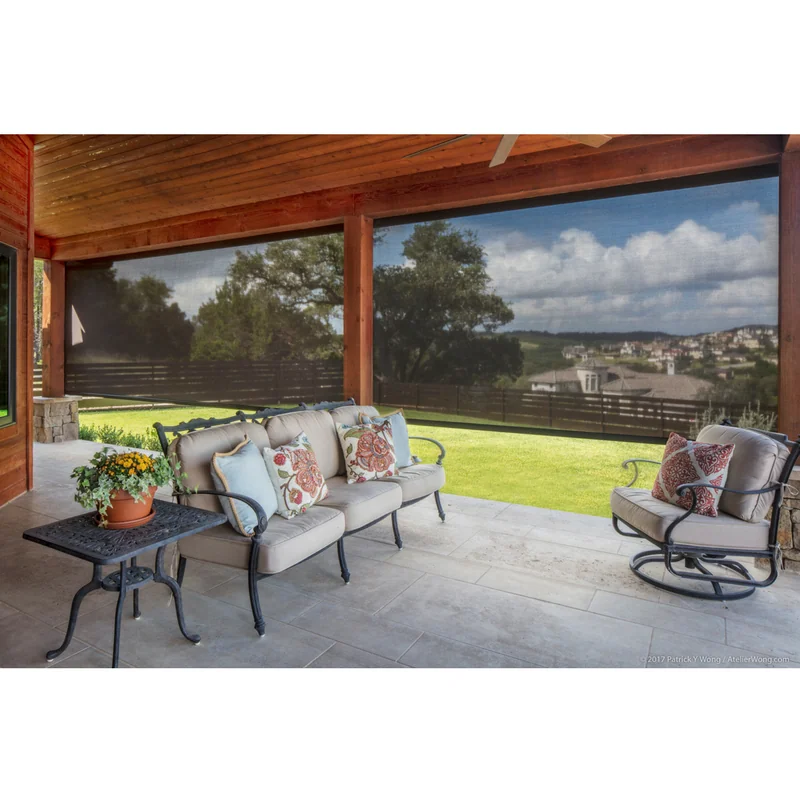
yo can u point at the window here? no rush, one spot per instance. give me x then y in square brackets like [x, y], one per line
[8, 300]
[659, 289]
[249, 325]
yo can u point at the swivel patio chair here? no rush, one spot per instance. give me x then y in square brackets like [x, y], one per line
[758, 472]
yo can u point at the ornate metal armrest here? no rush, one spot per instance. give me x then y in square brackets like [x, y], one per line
[692, 486]
[261, 526]
[635, 462]
[442, 451]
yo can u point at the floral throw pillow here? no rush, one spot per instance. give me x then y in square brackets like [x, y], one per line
[368, 451]
[685, 461]
[296, 476]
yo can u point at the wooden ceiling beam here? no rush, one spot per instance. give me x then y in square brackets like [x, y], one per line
[632, 160]
[41, 247]
[791, 142]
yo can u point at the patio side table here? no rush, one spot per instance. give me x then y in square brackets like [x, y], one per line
[80, 537]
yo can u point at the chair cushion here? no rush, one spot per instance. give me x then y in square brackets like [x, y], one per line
[243, 471]
[418, 480]
[368, 451]
[348, 415]
[757, 461]
[362, 503]
[285, 543]
[195, 451]
[318, 426]
[295, 476]
[685, 461]
[642, 511]
[402, 446]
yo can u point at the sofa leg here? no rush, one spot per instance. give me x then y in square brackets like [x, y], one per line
[439, 505]
[396, 528]
[343, 560]
[181, 570]
[252, 585]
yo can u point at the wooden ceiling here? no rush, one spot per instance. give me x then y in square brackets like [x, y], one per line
[92, 183]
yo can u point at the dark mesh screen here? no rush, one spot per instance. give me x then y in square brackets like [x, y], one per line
[636, 314]
[253, 325]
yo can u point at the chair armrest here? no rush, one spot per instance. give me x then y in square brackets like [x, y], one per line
[442, 451]
[254, 504]
[636, 462]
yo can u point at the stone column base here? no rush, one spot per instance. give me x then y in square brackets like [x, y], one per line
[55, 419]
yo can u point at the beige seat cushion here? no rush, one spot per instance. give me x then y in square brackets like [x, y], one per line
[362, 503]
[756, 462]
[195, 450]
[286, 542]
[319, 428]
[642, 511]
[418, 480]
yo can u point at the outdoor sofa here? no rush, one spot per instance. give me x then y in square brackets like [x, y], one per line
[278, 543]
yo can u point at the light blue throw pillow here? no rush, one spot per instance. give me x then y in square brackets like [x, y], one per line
[402, 447]
[243, 471]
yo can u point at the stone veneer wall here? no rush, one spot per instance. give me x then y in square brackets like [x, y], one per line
[789, 525]
[55, 419]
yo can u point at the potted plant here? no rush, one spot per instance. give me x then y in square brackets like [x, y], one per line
[121, 486]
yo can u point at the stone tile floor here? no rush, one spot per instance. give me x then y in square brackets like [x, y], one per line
[497, 585]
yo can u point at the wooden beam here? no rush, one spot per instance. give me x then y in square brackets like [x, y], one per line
[358, 309]
[41, 247]
[789, 296]
[53, 316]
[791, 142]
[629, 160]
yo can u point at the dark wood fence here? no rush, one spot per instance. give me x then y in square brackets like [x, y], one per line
[631, 416]
[37, 381]
[246, 383]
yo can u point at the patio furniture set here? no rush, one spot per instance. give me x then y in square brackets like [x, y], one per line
[723, 503]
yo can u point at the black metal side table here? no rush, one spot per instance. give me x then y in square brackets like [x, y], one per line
[80, 537]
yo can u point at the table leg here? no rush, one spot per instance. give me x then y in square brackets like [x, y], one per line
[136, 612]
[95, 583]
[161, 577]
[123, 577]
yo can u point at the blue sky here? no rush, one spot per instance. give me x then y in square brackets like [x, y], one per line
[685, 261]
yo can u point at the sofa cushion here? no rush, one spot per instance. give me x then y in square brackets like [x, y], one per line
[195, 451]
[756, 462]
[242, 471]
[418, 480]
[644, 512]
[285, 543]
[362, 503]
[295, 476]
[348, 415]
[318, 426]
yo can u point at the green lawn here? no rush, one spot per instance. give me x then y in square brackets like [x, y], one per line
[560, 472]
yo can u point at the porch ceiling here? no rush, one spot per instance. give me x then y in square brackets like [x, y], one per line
[90, 183]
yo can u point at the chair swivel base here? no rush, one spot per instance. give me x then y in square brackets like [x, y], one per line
[696, 562]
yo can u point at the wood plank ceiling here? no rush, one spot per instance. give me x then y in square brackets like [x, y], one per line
[85, 184]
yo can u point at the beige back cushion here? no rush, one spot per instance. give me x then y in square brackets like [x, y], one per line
[756, 462]
[348, 415]
[319, 428]
[195, 451]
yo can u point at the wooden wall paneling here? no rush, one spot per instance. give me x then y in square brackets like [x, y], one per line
[358, 309]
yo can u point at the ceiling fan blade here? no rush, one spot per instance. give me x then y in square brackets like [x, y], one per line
[590, 139]
[503, 149]
[437, 146]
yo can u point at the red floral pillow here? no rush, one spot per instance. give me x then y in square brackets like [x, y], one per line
[368, 451]
[685, 461]
[295, 476]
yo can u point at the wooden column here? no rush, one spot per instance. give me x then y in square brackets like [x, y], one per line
[789, 296]
[358, 308]
[53, 316]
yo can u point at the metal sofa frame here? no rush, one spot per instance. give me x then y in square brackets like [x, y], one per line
[696, 557]
[253, 575]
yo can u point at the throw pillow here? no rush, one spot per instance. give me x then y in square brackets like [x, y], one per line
[243, 471]
[685, 461]
[402, 446]
[296, 476]
[368, 451]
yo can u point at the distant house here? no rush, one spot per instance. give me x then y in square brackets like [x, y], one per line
[577, 351]
[596, 376]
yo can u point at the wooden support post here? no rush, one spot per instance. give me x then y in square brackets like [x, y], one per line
[358, 309]
[53, 317]
[789, 296]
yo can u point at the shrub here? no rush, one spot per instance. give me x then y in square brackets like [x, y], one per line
[108, 434]
[749, 418]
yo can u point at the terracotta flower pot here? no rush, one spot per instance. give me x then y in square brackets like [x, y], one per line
[125, 512]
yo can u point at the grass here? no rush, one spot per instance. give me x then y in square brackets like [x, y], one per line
[560, 472]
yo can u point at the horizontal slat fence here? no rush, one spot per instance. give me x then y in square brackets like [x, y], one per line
[37, 381]
[247, 383]
[595, 413]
